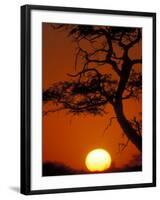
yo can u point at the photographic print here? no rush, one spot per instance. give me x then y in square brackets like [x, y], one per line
[88, 99]
[92, 99]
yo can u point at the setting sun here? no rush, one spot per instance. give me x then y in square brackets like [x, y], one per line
[98, 160]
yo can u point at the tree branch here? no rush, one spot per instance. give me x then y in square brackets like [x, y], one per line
[122, 146]
[52, 111]
[109, 124]
[137, 61]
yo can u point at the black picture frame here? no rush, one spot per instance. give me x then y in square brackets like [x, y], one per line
[26, 98]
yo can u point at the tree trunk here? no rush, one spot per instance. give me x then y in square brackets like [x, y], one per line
[126, 126]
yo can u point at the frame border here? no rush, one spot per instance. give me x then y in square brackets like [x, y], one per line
[25, 182]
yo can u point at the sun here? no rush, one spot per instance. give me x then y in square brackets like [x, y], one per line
[98, 160]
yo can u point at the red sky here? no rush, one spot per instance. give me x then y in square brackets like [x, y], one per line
[68, 138]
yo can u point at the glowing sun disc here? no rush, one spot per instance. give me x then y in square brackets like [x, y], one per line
[98, 160]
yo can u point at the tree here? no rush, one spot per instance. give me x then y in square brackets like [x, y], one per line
[90, 89]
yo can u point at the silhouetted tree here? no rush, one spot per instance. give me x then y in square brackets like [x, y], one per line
[90, 89]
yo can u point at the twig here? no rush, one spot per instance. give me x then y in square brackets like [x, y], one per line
[122, 146]
[109, 124]
[52, 111]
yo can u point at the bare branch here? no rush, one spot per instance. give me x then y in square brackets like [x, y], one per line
[122, 146]
[137, 124]
[52, 111]
[109, 124]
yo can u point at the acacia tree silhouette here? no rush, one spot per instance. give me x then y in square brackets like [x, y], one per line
[90, 90]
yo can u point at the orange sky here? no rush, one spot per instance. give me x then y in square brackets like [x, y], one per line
[66, 138]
